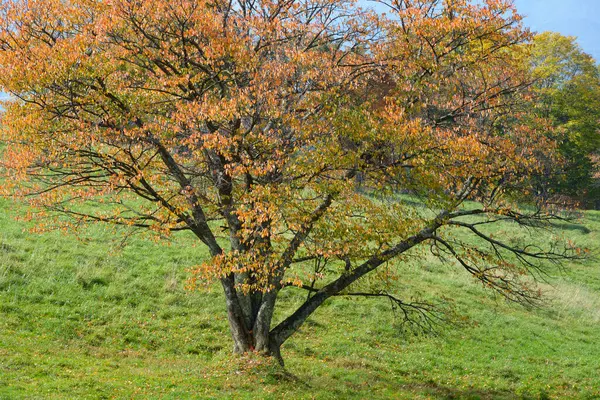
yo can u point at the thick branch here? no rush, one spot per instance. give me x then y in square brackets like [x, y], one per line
[200, 228]
[288, 255]
[287, 327]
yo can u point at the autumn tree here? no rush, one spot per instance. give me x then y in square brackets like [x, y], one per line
[567, 88]
[250, 122]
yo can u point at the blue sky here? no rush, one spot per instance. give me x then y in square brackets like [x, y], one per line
[579, 18]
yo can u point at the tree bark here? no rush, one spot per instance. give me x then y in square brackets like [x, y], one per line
[262, 324]
[254, 336]
[241, 335]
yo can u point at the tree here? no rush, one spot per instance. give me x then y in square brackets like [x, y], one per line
[568, 94]
[248, 123]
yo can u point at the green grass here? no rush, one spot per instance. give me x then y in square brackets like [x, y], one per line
[82, 318]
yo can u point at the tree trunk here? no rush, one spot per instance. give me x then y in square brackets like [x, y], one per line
[250, 326]
[241, 335]
[259, 340]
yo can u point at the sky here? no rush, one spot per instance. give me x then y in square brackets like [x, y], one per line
[579, 18]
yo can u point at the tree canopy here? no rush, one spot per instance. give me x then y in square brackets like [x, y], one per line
[568, 94]
[293, 138]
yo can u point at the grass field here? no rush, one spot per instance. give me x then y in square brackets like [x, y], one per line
[83, 318]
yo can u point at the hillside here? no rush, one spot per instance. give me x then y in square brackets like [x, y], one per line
[83, 317]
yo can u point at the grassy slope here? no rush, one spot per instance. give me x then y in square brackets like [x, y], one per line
[81, 318]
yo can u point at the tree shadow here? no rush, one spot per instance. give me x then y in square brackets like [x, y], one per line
[439, 391]
[572, 227]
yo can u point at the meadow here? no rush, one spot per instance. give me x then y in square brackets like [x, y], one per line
[86, 317]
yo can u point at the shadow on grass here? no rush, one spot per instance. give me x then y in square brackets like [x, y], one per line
[438, 391]
[572, 227]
